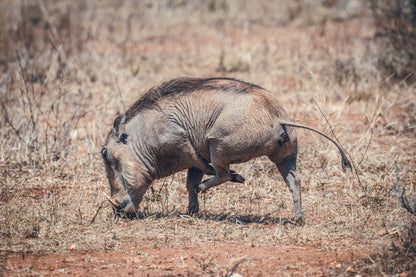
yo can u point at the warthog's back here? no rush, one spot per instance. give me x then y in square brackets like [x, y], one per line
[244, 117]
[183, 86]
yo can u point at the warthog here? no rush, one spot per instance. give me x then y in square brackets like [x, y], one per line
[202, 125]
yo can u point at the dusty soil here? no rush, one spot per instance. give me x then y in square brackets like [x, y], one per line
[222, 259]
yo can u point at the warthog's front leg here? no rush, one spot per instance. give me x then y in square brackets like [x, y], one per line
[193, 179]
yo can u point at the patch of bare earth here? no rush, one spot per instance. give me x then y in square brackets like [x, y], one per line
[223, 259]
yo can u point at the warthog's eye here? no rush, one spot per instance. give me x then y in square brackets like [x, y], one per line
[283, 136]
[122, 139]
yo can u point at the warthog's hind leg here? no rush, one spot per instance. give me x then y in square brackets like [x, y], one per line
[223, 175]
[235, 177]
[287, 168]
[221, 163]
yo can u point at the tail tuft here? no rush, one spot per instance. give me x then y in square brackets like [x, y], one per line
[345, 162]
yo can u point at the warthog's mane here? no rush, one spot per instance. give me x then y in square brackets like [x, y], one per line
[186, 85]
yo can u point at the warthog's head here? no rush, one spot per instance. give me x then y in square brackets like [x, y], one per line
[122, 170]
[111, 154]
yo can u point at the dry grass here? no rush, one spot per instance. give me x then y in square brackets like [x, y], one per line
[88, 62]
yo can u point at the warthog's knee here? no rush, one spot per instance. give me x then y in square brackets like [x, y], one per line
[217, 180]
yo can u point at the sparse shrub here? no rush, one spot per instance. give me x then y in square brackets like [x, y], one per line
[38, 113]
[34, 128]
[37, 30]
[396, 36]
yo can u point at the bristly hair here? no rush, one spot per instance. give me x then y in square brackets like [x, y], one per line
[185, 85]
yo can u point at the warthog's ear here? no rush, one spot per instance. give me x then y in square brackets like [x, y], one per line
[104, 153]
[118, 128]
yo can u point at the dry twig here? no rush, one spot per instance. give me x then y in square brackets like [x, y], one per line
[98, 210]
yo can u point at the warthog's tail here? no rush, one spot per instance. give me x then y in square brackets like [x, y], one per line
[345, 162]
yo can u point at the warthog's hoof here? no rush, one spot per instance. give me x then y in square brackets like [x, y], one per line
[237, 178]
[299, 220]
[193, 210]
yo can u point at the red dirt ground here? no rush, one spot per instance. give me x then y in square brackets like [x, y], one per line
[222, 260]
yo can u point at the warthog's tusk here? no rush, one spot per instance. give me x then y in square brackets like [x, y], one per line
[112, 201]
